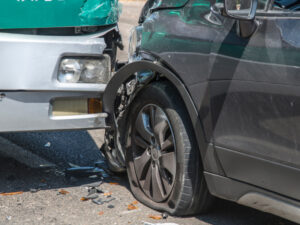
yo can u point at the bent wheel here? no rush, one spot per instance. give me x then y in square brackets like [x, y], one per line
[162, 157]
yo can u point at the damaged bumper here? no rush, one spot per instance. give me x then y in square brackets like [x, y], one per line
[31, 96]
[18, 14]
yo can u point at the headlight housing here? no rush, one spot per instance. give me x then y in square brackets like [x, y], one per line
[85, 70]
[135, 41]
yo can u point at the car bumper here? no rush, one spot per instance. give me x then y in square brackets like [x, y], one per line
[29, 85]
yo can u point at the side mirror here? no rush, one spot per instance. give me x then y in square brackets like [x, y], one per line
[240, 9]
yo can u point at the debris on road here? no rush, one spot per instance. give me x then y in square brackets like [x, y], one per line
[107, 194]
[110, 206]
[103, 165]
[63, 192]
[155, 217]
[100, 213]
[132, 207]
[89, 197]
[11, 193]
[94, 185]
[83, 172]
[100, 201]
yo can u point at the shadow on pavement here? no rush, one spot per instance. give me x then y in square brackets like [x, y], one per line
[79, 148]
[226, 212]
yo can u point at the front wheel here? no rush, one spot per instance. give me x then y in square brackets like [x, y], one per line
[162, 157]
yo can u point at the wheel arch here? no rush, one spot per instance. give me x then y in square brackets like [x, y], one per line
[128, 70]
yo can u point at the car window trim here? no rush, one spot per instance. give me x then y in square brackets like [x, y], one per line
[277, 14]
[271, 13]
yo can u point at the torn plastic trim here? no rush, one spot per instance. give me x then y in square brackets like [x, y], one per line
[113, 148]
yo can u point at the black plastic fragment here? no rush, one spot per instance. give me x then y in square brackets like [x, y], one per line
[83, 172]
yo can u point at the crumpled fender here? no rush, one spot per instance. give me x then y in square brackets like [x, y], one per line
[125, 72]
[128, 70]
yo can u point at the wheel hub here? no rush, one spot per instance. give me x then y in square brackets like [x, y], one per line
[155, 154]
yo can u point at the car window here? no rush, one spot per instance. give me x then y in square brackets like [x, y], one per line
[286, 5]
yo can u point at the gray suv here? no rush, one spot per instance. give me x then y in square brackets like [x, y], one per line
[209, 106]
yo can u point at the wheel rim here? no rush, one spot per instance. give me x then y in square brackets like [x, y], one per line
[154, 152]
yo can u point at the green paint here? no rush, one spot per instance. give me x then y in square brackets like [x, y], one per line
[16, 14]
[170, 3]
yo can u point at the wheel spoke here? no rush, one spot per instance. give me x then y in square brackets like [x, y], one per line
[141, 142]
[143, 127]
[160, 127]
[142, 164]
[157, 188]
[168, 143]
[146, 184]
[168, 161]
[152, 112]
[167, 184]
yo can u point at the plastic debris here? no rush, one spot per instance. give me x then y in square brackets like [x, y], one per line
[8, 217]
[63, 192]
[89, 197]
[83, 172]
[100, 201]
[155, 217]
[100, 213]
[107, 194]
[92, 191]
[110, 206]
[94, 185]
[12, 193]
[103, 165]
[132, 207]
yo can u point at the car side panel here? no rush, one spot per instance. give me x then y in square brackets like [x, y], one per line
[256, 104]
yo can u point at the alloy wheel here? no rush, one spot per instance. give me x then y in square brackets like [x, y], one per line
[154, 152]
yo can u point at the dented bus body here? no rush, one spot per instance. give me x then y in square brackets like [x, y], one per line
[56, 59]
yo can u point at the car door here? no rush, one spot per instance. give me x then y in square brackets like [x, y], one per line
[255, 100]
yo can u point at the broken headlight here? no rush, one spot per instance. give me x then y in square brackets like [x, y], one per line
[135, 41]
[84, 70]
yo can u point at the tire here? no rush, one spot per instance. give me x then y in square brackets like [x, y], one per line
[182, 190]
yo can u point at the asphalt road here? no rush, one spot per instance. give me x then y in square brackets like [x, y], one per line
[81, 148]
